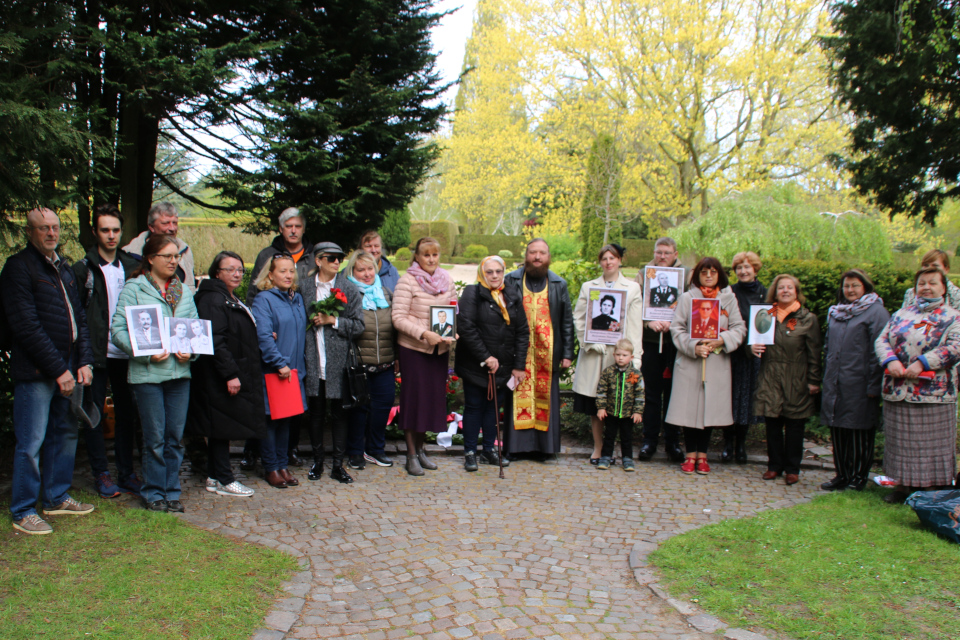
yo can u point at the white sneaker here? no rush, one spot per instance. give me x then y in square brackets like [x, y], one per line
[212, 485]
[234, 489]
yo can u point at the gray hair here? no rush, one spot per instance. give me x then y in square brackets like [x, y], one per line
[291, 212]
[159, 210]
[666, 241]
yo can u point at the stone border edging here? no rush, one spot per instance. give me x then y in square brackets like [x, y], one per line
[284, 612]
[646, 576]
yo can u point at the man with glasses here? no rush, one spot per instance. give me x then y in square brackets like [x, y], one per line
[50, 355]
[163, 218]
[100, 277]
[656, 366]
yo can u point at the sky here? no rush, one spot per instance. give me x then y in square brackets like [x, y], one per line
[450, 39]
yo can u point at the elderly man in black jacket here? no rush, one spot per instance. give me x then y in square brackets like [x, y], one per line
[536, 404]
[50, 355]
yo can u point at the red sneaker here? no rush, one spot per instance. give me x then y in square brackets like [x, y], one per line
[702, 467]
[688, 465]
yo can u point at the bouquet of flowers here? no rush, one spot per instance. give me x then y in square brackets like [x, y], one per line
[332, 305]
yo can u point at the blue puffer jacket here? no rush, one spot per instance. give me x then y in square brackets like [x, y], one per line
[276, 313]
[388, 274]
[39, 318]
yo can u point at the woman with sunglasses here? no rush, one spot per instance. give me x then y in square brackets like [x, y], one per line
[160, 383]
[328, 343]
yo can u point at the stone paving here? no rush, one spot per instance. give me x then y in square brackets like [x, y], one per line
[541, 554]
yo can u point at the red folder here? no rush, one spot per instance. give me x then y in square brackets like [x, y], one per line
[284, 396]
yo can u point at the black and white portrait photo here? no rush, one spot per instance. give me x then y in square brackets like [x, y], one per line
[146, 330]
[662, 287]
[190, 336]
[606, 312]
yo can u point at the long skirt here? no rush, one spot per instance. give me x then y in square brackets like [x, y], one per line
[423, 390]
[921, 442]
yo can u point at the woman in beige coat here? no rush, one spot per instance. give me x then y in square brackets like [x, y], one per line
[701, 397]
[423, 354]
[594, 357]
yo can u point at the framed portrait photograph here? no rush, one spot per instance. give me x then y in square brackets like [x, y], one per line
[705, 319]
[443, 320]
[662, 288]
[605, 315]
[761, 325]
[148, 335]
[190, 336]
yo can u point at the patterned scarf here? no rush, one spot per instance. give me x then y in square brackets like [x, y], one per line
[497, 293]
[373, 298]
[926, 304]
[849, 310]
[709, 292]
[173, 292]
[439, 282]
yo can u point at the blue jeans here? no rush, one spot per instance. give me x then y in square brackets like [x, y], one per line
[43, 424]
[273, 448]
[368, 424]
[479, 413]
[163, 414]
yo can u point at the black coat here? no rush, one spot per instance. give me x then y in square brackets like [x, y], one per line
[38, 317]
[96, 298]
[484, 333]
[214, 413]
[561, 312]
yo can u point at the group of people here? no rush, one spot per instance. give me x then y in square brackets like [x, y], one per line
[514, 336]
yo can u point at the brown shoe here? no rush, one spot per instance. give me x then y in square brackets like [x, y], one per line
[792, 478]
[288, 478]
[275, 479]
[770, 475]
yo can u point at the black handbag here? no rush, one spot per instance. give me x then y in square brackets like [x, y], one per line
[356, 391]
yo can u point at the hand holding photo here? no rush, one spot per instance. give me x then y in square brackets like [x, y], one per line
[705, 319]
[662, 287]
[190, 335]
[762, 324]
[148, 336]
[606, 312]
[443, 321]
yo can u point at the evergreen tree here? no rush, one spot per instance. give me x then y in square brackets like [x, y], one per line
[395, 231]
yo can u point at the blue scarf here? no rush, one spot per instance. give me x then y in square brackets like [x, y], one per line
[372, 293]
[926, 304]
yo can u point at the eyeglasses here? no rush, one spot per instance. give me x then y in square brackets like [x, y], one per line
[232, 270]
[47, 228]
[169, 257]
[663, 254]
[331, 258]
[708, 270]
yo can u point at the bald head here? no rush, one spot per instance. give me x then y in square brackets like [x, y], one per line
[43, 229]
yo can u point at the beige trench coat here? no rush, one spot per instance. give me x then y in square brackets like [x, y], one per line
[694, 403]
[594, 358]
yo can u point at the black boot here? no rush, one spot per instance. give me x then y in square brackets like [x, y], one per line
[249, 460]
[728, 442]
[316, 471]
[740, 445]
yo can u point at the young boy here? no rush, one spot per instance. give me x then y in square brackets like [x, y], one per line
[619, 405]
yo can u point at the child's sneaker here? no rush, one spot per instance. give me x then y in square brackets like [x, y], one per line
[628, 465]
[689, 465]
[604, 463]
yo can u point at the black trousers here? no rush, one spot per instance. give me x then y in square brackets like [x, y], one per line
[853, 452]
[657, 371]
[218, 460]
[785, 444]
[697, 439]
[319, 416]
[612, 427]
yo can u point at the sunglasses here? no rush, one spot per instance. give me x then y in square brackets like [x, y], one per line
[332, 258]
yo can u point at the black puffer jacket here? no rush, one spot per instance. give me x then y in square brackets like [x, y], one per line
[96, 301]
[214, 413]
[39, 318]
[484, 333]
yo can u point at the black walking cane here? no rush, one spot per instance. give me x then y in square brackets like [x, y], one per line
[492, 395]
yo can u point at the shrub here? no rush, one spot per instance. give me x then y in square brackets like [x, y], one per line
[475, 252]
[576, 273]
[444, 231]
[494, 243]
[563, 247]
[403, 254]
[395, 231]
[506, 254]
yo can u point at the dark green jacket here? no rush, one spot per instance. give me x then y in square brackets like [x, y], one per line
[620, 393]
[93, 296]
[787, 366]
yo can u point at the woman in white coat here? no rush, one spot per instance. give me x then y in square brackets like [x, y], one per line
[593, 358]
[702, 394]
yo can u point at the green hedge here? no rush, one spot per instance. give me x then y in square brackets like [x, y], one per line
[444, 231]
[639, 252]
[494, 243]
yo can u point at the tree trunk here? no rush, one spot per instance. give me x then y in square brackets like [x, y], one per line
[137, 147]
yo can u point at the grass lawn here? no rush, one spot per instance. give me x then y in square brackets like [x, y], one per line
[842, 566]
[129, 573]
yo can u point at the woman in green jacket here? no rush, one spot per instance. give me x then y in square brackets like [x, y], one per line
[790, 376]
[160, 382]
